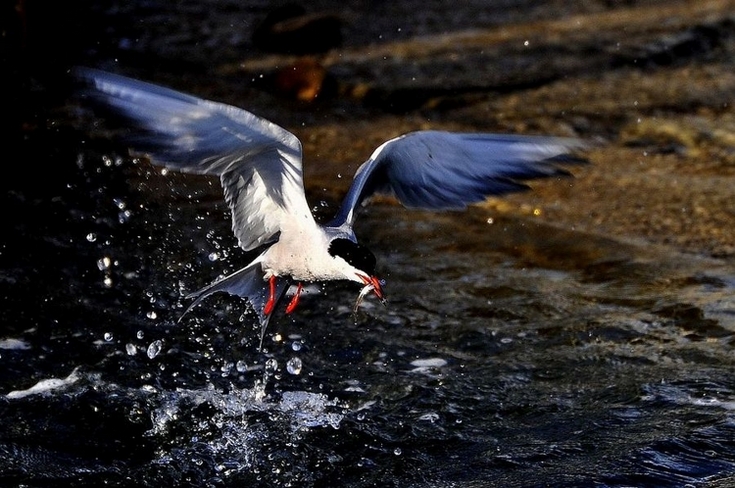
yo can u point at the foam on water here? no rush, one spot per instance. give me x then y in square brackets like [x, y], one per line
[45, 386]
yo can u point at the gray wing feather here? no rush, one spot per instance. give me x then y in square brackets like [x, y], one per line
[258, 162]
[438, 170]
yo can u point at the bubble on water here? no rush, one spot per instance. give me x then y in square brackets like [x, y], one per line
[131, 349]
[214, 256]
[154, 348]
[139, 334]
[107, 336]
[294, 366]
[296, 345]
[91, 237]
[397, 451]
[241, 366]
[152, 315]
[107, 282]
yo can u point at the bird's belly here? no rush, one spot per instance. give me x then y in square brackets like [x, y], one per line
[300, 267]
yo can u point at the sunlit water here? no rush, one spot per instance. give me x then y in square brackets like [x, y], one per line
[511, 353]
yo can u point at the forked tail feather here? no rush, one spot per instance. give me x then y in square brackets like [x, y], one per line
[247, 283]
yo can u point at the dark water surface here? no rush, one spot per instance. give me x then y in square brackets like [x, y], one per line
[515, 350]
[511, 353]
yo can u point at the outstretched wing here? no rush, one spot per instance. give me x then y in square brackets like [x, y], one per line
[258, 162]
[443, 170]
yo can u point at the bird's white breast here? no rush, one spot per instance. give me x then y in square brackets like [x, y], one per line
[304, 256]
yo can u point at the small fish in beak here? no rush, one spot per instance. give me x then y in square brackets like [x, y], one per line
[371, 284]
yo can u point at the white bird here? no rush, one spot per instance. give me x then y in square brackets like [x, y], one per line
[259, 166]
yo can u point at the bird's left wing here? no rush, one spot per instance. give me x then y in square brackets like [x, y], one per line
[258, 162]
[438, 170]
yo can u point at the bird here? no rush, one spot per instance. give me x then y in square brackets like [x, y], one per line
[259, 165]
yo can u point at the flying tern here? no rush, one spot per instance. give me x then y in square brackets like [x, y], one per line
[259, 165]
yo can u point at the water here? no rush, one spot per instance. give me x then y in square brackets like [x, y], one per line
[511, 353]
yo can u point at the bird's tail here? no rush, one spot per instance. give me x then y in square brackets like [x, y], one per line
[247, 283]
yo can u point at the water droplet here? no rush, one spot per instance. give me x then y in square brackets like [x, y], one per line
[140, 334]
[124, 216]
[91, 237]
[131, 349]
[213, 256]
[296, 345]
[397, 451]
[294, 366]
[104, 263]
[271, 365]
[152, 315]
[154, 348]
[108, 336]
[241, 366]
[490, 220]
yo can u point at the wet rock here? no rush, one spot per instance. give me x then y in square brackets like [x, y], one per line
[677, 48]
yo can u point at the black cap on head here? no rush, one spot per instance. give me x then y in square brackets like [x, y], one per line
[356, 255]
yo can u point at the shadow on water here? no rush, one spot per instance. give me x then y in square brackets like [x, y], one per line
[512, 353]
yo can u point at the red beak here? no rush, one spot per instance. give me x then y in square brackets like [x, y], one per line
[377, 286]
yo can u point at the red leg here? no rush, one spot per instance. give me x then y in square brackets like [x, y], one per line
[271, 303]
[295, 299]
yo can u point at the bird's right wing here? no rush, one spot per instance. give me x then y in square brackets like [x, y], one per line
[438, 170]
[258, 162]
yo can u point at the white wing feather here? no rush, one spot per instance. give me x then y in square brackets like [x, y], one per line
[258, 162]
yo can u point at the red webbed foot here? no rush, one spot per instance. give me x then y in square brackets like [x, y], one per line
[295, 299]
[271, 303]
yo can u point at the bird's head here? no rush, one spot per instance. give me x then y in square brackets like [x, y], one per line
[359, 265]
